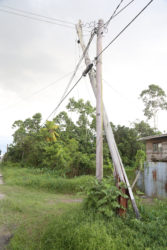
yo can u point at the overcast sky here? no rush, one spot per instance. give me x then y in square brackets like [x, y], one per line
[34, 54]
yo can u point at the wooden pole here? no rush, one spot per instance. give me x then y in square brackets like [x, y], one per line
[99, 105]
[118, 165]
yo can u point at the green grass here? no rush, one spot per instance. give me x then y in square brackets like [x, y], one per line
[37, 179]
[85, 230]
[27, 213]
[131, 174]
[41, 218]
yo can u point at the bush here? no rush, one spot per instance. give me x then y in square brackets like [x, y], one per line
[103, 196]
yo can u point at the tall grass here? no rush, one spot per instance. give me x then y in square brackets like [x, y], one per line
[44, 220]
[82, 230]
[48, 181]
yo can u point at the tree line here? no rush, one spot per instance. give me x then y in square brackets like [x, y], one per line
[68, 145]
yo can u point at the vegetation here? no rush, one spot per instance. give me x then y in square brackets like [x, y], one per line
[140, 158]
[43, 208]
[68, 147]
[154, 100]
[83, 230]
[44, 180]
[41, 219]
[102, 197]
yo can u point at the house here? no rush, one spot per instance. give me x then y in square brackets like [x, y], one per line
[156, 148]
[153, 178]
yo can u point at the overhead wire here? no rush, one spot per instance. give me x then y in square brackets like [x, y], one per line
[123, 8]
[121, 94]
[39, 91]
[117, 7]
[115, 13]
[35, 18]
[72, 77]
[113, 40]
[62, 99]
[77, 66]
[38, 15]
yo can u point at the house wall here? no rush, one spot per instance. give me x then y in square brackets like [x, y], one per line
[153, 180]
[156, 156]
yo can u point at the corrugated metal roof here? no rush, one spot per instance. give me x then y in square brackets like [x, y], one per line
[153, 137]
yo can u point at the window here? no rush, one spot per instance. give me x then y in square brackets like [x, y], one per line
[157, 147]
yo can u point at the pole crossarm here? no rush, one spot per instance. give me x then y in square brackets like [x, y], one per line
[117, 162]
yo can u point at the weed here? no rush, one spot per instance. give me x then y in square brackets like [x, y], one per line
[103, 196]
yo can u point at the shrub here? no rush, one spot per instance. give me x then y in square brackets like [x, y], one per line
[103, 196]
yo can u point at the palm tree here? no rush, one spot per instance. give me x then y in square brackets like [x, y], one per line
[50, 131]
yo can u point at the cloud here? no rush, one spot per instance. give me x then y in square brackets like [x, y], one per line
[34, 54]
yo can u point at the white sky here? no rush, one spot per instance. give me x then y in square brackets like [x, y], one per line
[34, 54]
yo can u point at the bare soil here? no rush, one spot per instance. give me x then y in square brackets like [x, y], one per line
[5, 237]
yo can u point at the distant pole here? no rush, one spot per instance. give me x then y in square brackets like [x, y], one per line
[99, 105]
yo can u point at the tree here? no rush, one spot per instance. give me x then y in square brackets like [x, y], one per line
[154, 99]
[24, 137]
[50, 131]
[62, 144]
[83, 129]
[126, 139]
[143, 129]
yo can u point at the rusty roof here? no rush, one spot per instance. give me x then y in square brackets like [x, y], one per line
[147, 138]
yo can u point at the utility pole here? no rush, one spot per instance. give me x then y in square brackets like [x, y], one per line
[99, 105]
[117, 162]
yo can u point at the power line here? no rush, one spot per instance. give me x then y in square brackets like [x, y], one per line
[112, 16]
[38, 15]
[77, 66]
[84, 73]
[73, 75]
[40, 90]
[52, 83]
[35, 18]
[62, 99]
[71, 79]
[121, 94]
[123, 8]
[107, 23]
[113, 40]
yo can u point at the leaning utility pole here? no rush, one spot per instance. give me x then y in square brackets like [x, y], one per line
[117, 162]
[99, 105]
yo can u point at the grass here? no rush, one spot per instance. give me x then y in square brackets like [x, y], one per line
[87, 231]
[27, 213]
[37, 179]
[131, 174]
[42, 218]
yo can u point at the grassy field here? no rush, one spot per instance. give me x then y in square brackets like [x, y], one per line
[26, 213]
[40, 217]
[46, 181]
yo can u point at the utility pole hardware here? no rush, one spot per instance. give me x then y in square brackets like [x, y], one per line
[117, 162]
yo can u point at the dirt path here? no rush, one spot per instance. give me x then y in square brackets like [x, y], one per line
[5, 235]
[1, 180]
